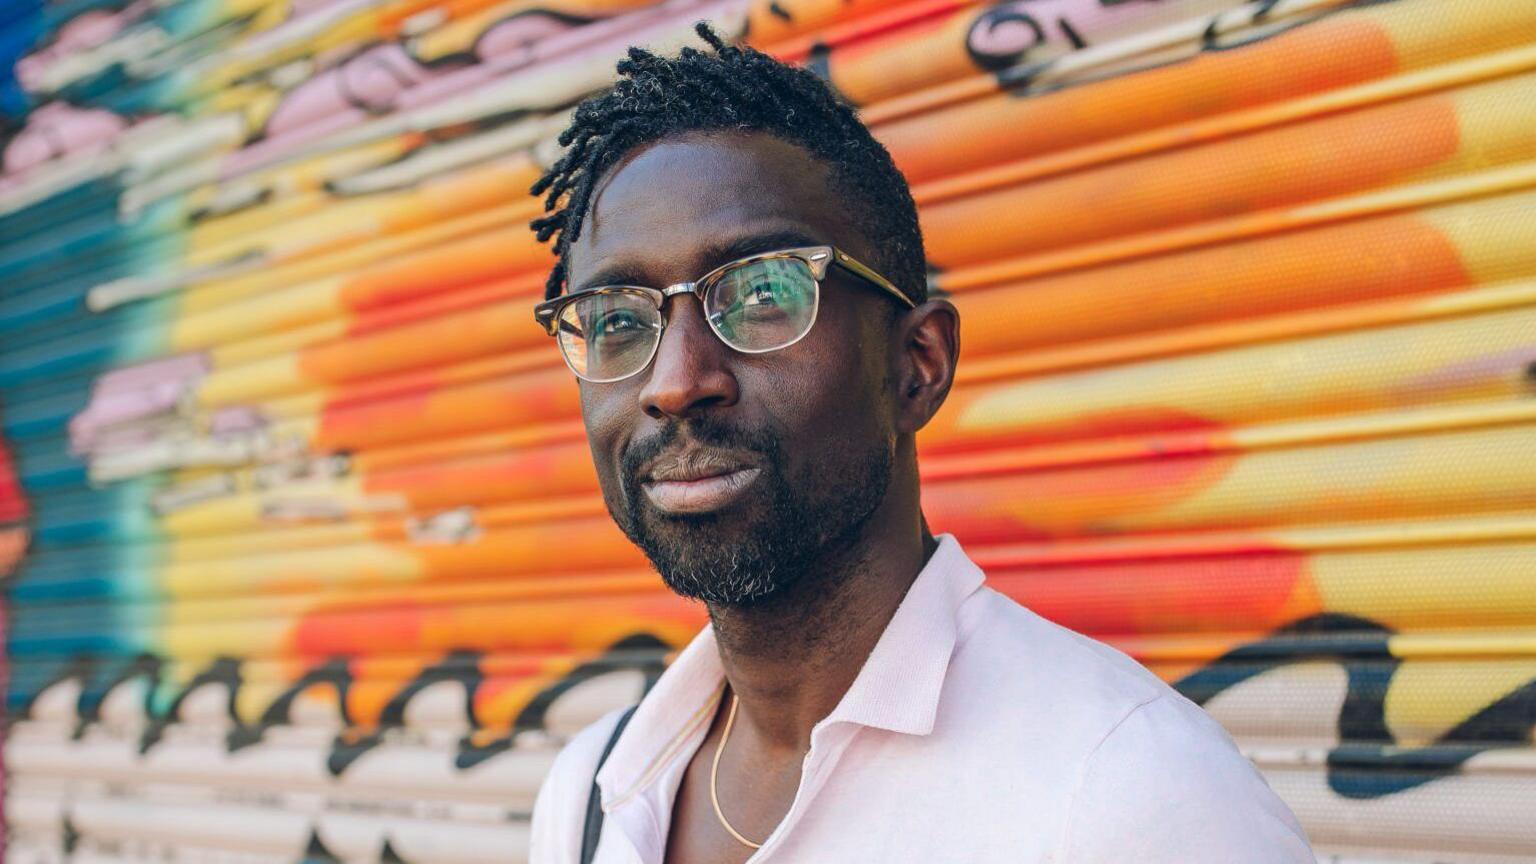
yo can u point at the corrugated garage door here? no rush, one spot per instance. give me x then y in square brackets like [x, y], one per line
[317, 569]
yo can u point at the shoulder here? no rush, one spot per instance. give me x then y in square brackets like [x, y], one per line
[1146, 774]
[1167, 784]
[1041, 671]
[559, 812]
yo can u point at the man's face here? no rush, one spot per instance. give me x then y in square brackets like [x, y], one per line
[736, 472]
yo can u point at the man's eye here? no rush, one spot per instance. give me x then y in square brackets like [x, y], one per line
[764, 294]
[615, 323]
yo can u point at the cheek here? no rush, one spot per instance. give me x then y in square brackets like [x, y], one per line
[828, 387]
[607, 425]
[855, 352]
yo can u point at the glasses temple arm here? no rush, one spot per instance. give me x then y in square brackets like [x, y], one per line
[873, 278]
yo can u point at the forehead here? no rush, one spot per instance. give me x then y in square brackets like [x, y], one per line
[663, 211]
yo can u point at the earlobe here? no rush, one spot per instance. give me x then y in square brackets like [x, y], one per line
[931, 348]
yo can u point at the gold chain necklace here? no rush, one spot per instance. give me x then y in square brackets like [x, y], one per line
[714, 769]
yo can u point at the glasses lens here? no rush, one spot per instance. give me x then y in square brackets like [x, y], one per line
[609, 336]
[763, 305]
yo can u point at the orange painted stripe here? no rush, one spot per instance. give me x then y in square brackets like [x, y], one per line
[487, 331]
[929, 51]
[1334, 52]
[417, 383]
[1261, 276]
[495, 254]
[772, 22]
[423, 452]
[590, 623]
[1046, 504]
[1305, 162]
[527, 285]
[900, 17]
[515, 400]
[542, 472]
[1188, 595]
[1153, 433]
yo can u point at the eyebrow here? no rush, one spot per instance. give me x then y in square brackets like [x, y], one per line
[752, 244]
[715, 253]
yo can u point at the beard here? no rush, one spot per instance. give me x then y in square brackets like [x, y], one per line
[764, 545]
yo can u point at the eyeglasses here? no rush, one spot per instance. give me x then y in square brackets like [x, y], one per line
[756, 304]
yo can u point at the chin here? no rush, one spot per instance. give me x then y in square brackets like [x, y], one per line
[705, 557]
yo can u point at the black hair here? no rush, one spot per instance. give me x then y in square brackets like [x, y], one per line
[736, 88]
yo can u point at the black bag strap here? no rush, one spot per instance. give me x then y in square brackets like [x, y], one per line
[594, 825]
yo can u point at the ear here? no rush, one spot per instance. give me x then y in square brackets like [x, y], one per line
[928, 348]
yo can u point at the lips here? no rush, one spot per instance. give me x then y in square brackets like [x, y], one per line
[697, 480]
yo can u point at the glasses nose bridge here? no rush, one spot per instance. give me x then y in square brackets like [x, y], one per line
[680, 288]
[673, 290]
[687, 368]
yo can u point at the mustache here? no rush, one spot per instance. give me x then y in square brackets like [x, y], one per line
[705, 430]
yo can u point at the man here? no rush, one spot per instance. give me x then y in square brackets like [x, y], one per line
[740, 288]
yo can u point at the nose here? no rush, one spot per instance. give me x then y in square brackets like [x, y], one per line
[690, 372]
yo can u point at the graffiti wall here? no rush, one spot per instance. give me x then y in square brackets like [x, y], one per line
[13, 513]
[315, 565]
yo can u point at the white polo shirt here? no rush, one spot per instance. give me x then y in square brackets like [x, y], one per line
[976, 731]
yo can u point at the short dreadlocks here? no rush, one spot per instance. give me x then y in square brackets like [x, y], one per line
[733, 89]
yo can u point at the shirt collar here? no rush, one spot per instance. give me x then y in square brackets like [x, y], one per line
[898, 688]
[682, 699]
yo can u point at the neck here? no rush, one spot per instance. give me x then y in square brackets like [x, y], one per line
[790, 659]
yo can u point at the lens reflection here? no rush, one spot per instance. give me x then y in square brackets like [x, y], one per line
[763, 305]
[609, 336]
[754, 307]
